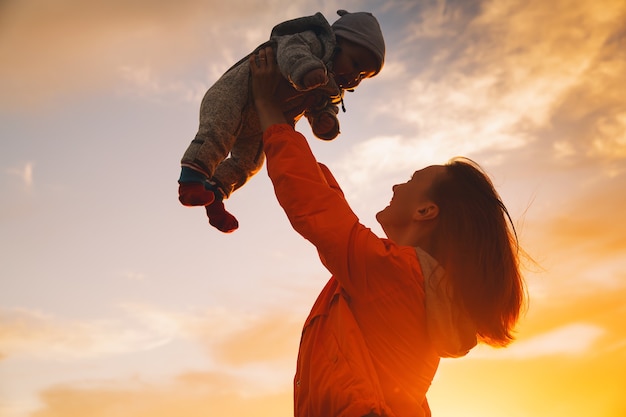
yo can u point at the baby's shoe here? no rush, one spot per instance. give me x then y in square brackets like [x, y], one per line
[325, 124]
[194, 188]
[220, 218]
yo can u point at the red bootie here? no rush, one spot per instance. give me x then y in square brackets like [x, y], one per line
[194, 194]
[220, 218]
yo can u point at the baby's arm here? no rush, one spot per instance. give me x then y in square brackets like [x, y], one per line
[297, 58]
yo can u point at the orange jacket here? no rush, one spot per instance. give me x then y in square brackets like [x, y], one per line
[364, 346]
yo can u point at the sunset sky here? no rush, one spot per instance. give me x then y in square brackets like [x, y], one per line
[115, 300]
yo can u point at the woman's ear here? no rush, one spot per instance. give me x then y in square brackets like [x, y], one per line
[426, 211]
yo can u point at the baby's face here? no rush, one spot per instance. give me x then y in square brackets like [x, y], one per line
[353, 63]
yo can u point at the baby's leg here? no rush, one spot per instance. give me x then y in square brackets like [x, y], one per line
[245, 160]
[221, 116]
[220, 122]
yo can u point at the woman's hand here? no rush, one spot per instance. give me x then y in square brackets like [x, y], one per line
[265, 80]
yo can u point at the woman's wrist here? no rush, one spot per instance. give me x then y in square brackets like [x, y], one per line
[265, 102]
[269, 113]
[265, 79]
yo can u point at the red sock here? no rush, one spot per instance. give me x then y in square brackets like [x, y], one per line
[194, 194]
[220, 218]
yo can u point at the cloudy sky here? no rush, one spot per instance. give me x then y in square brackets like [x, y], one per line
[116, 300]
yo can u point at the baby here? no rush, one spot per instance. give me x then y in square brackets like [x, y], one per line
[318, 62]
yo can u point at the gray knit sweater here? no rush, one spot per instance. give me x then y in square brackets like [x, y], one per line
[228, 145]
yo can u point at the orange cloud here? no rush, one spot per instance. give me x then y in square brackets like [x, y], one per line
[501, 81]
[269, 338]
[251, 362]
[32, 333]
[552, 372]
[63, 47]
[590, 225]
[186, 397]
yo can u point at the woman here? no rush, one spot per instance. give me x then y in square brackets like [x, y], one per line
[445, 277]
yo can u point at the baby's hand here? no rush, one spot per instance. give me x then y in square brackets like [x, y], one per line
[315, 78]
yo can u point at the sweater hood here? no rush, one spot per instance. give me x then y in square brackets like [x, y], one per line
[451, 331]
[318, 24]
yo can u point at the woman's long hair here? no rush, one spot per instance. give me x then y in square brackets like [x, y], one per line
[476, 243]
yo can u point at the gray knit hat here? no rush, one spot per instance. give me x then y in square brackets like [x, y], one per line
[363, 29]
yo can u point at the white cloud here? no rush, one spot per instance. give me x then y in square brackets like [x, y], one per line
[145, 82]
[25, 173]
[573, 339]
[134, 275]
[33, 333]
[611, 139]
[497, 82]
[138, 328]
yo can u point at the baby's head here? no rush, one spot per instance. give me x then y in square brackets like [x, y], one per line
[361, 48]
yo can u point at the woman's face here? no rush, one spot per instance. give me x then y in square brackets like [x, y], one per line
[408, 199]
[353, 63]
